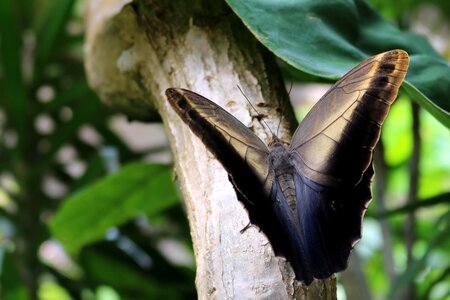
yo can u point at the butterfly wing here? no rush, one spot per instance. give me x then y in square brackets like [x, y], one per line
[242, 154]
[224, 135]
[330, 221]
[332, 153]
[335, 141]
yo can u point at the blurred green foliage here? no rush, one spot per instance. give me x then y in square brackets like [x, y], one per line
[45, 107]
[115, 225]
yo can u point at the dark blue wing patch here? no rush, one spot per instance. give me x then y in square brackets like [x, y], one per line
[296, 252]
[317, 241]
[330, 222]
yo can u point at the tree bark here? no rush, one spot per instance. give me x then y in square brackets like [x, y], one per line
[134, 52]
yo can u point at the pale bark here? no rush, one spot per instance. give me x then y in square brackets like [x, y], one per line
[132, 55]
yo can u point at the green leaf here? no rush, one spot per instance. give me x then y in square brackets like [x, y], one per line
[327, 38]
[52, 291]
[136, 188]
[429, 78]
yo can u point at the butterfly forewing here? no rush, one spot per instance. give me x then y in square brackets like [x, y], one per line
[335, 141]
[212, 124]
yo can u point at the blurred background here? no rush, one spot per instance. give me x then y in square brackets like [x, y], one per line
[60, 150]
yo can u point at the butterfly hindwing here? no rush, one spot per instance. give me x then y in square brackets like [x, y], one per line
[293, 249]
[330, 221]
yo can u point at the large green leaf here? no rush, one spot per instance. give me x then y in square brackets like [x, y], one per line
[327, 38]
[136, 188]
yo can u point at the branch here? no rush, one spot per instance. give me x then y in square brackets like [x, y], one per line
[381, 180]
[410, 228]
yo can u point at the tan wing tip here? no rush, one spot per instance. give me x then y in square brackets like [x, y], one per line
[399, 57]
[170, 92]
[398, 54]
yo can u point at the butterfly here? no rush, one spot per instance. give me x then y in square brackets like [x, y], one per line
[308, 198]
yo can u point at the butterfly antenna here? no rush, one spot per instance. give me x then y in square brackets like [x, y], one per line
[246, 98]
[279, 123]
[290, 87]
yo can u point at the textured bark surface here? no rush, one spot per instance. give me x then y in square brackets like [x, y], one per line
[134, 51]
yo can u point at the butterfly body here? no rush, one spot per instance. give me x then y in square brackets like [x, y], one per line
[280, 161]
[308, 198]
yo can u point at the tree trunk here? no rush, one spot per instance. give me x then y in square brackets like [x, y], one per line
[134, 52]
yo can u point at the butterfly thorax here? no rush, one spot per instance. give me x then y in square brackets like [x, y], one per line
[280, 162]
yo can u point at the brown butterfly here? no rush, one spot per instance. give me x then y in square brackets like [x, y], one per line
[309, 198]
